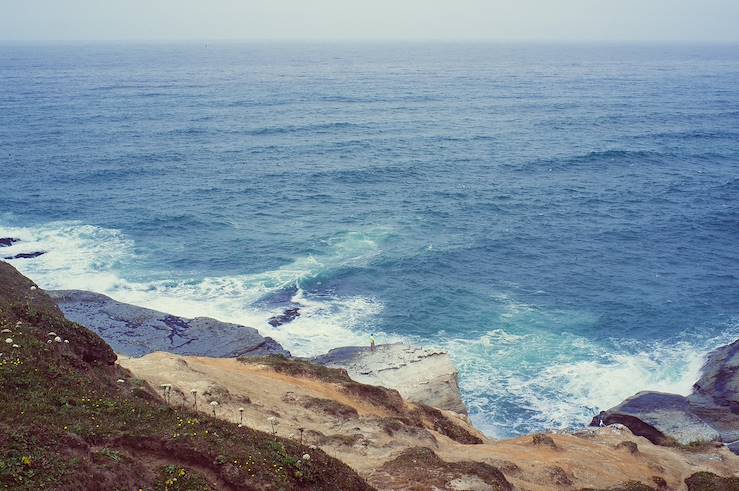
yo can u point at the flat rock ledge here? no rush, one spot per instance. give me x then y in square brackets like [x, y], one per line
[137, 331]
[709, 414]
[420, 375]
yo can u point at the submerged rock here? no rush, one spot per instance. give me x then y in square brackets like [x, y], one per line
[287, 316]
[137, 331]
[420, 375]
[8, 241]
[26, 255]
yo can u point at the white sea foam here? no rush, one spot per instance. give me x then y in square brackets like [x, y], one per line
[91, 258]
[561, 380]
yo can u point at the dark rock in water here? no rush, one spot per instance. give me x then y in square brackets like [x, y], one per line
[137, 331]
[660, 418]
[27, 255]
[715, 397]
[288, 315]
[8, 241]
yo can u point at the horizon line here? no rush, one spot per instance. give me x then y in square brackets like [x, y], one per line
[379, 40]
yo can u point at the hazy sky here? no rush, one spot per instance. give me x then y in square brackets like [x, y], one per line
[566, 20]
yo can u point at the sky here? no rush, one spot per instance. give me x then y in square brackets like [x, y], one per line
[445, 20]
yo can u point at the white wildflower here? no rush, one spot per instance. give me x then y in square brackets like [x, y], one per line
[271, 419]
[120, 381]
[48, 342]
[16, 346]
[6, 331]
[313, 447]
[51, 334]
[214, 403]
[57, 339]
[9, 340]
[194, 391]
[66, 341]
[306, 457]
[33, 287]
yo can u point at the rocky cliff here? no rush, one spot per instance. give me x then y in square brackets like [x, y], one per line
[73, 419]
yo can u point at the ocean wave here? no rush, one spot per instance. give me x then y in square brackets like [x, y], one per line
[310, 128]
[594, 158]
[559, 380]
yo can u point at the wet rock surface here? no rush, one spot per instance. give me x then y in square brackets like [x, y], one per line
[8, 241]
[287, 316]
[26, 255]
[137, 331]
[709, 413]
[660, 418]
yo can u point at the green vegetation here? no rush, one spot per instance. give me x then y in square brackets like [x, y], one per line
[72, 419]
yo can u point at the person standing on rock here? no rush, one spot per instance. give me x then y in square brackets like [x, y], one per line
[372, 342]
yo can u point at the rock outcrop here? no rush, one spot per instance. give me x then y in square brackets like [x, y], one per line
[137, 331]
[420, 375]
[661, 418]
[715, 397]
[710, 413]
[394, 444]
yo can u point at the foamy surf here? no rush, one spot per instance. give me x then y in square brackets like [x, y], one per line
[86, 257]
[569, 378]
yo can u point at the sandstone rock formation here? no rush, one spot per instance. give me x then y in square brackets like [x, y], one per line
[420, 375]
[397, 445]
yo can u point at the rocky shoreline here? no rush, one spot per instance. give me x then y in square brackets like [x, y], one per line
[420, 375]
[393, 415]
[709, 414]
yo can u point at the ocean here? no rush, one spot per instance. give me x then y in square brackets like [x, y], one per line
[562, 219]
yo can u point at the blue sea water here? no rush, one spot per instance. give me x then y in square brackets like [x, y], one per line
[562, 219]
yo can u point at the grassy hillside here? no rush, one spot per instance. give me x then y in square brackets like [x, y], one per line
[71, 419]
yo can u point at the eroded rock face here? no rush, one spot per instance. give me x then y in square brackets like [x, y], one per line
[137, 331]
[420, 375]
